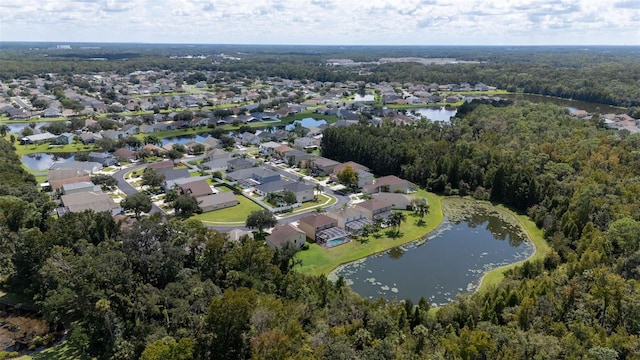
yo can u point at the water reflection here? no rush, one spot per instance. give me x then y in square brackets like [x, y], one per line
[450, 261]
[43, 161]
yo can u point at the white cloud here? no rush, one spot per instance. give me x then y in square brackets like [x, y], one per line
[419, 22]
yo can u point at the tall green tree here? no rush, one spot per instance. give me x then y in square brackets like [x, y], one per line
[137, 202]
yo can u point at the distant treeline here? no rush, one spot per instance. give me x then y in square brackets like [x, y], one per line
[608, 75]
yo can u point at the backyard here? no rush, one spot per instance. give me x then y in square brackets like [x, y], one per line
[318, 260]
[235, 215]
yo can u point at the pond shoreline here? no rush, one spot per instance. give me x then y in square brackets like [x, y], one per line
[452, 207]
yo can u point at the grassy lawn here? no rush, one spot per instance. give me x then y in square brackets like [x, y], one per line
[47, 148]
[318, 260]
[536, 235]
[309, 114]
[323, 200]
[235, 215]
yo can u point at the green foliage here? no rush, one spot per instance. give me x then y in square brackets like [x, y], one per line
[138, 203]
[261, 219]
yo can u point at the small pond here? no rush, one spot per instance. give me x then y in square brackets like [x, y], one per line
[306, 122]
[16, 128]
[437, 114]
[184, 139]
[473, 239]
[43, 161]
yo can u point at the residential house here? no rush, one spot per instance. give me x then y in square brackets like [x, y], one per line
[298, 157]
[161, 165]
[324, 166]
[240, 163]
[171, 174]
[305, 143]
[247, 138]
[398, 201]
[236, 235]
[77, 187]
[314, 224]
[196, 188]
[303, 191]
[375, 208]
[113, 134]
[89, 137]
[65, 138]
[211, 143]
[283, 234]
[268, 148]
[349, 218]
[253, 176]
[130, 129]
[37, 138]
[95, 201]
[105, 159]
[89, 166]
[281, 151]
[124, 154]
[217, 201]
[176, 183]
[390, 183]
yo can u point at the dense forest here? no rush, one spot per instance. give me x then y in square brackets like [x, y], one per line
[607, 75]
[162, 288]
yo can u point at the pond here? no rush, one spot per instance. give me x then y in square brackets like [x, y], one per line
[306, 122]
[184, 139]
[16, 128]
[473, 239]
[437, 114]
[43, 161]
[569, 104]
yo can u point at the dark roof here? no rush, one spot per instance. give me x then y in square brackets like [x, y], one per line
[281, 234]
[272, 186]
[161, 165]
[317, 220]
[196, 188]
[173, 174]
[297, 186]
[374, 204]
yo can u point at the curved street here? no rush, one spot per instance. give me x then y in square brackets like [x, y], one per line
[128, 189]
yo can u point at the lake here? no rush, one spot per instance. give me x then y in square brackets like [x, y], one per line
[306, 122]
[569, 104]
[436, 114]
[473, 239]
[43, 161]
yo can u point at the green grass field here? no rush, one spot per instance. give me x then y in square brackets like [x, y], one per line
[318, 260]
[535, 234]
[235, 215]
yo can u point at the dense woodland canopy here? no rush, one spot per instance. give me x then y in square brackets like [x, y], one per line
[182, 291]
[607, 75]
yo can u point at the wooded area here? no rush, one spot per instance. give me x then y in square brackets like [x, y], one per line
[181, 291]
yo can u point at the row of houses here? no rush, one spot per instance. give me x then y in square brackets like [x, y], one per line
[337, 225]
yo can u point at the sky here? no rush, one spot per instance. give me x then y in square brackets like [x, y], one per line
[324, 22]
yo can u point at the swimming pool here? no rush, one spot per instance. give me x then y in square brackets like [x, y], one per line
[335, 242]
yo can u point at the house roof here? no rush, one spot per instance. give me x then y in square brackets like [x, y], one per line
[391, 180]
[216, 199]
[78, 165]
[161, 165]
[317, 220]
[297, 186]
[281, 234]
[78, 185]
[236, 234]
[272, 186]
[125, 153]
[40, 137]
[394, 198]
[78, 202]
[323, 162]
[58, 174]
[174, 174]
[347, 212]
[58, 183]
[283, 149]
[196, 188]
[354, 165]
[374, 204]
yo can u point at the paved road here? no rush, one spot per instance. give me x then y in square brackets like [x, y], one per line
[129, 190]
[126, 188]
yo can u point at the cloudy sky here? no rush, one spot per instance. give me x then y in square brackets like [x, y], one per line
[325, 22]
